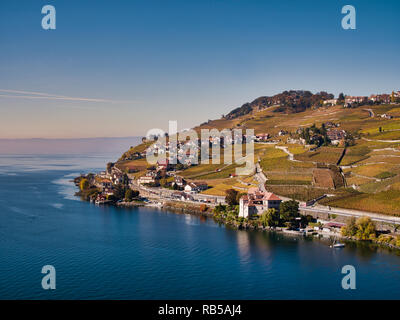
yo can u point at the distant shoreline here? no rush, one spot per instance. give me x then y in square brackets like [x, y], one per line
[68, 146]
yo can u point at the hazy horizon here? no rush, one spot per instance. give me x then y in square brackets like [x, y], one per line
[67, 145]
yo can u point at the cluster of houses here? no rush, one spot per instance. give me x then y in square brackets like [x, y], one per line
[187, 152]
[375, 98]
[336, 136]
[163, 169]
[256, 202]
[106, 181]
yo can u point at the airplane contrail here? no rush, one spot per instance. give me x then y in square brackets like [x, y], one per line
[47, 96]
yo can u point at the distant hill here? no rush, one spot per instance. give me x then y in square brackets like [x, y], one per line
[67, 146]
[292, 101]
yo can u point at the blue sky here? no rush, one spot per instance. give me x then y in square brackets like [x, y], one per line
[128, 66]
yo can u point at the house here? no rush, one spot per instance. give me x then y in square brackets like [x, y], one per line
[257, 202]
[163, 164]
[350, 99]
[282, 132]
[386, 116]
[182, 196]
[195, 187]
[147, 179]
[336, 135]
[333, 226]
[179, 181]
[262, 137]
[381, 98]
[105, 184]
[331, 102]
[331, 124]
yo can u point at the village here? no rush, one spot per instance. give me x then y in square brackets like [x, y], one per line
[133, 181]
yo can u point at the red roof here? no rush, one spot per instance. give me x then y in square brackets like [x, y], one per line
[163, 162]
[270, 196]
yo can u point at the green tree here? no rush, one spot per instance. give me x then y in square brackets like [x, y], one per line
[289, 210]
[84, 184]
[119, 191]
[128, 195]
[350, 229]
[365, 228]
[270, 218]
[232, 197]
[112, 198]
[219, 208]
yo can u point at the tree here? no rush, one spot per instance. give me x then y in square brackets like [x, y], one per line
[219, 208]
[350, 229]
[362, 228]
[119, 191]
[109, 166]
[112, 198]
[232, 197]
[289, 210]
[392, 98]
[203, 208]
[270, 218]
[84, 184]
[365, 228]
[128, 195]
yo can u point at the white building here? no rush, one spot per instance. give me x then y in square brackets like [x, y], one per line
[257, 202]
[194, 187]
[332, 102]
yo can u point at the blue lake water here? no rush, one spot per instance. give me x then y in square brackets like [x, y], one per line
[142, 253]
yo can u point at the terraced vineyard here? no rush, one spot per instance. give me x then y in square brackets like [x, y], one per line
[370, 163]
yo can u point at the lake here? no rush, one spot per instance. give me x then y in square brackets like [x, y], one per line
[145, 253]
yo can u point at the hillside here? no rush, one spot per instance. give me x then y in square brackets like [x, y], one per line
[286, 102]
[364, 165]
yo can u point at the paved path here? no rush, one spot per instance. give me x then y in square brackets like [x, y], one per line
[353, 213]
[371, 112]
[389, 141]
[260, 177]
[286, 150]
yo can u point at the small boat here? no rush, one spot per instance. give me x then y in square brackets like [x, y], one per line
[337, 244]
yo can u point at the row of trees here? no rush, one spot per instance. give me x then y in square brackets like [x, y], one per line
[362, 229]
[288, 215]
[123, 192]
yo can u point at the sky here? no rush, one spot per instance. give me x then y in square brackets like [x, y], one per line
[119, 68]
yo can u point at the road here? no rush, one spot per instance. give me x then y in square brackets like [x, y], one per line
[260, 177]
[286, 150]
[371, 112]
[353, 213]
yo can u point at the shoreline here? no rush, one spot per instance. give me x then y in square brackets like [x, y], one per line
[179, 207]
[206, 210]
